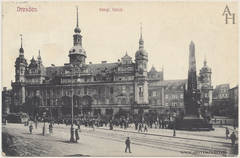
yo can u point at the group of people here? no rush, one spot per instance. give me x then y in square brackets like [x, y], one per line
[74, 135]
[140, 126]
[30, 125]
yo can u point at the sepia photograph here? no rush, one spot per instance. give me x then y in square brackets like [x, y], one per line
[120, 78]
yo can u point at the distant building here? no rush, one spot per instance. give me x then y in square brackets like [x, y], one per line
[167, 95]
[205, 85]
[221, 95]
[6, 100]
[221, 91]
[233, 96]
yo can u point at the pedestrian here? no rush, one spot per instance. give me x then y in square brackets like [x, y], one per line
[227, 133]
[76, 135]
[30, 128]
[50, 128]
[36, 124]
[145, 128]
[233, 138]
[136, 125]
[140, 127]
[127, 142]
[111, 125]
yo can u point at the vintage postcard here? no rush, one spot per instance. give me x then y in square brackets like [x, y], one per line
[120, 78]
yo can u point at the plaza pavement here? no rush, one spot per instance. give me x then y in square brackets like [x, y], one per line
[103, 142]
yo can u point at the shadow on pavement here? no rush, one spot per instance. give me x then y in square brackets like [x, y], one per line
[66, 141]
[76, 155]
[26, 133]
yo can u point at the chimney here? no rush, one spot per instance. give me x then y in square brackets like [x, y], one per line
[104, 62]
[90, 62]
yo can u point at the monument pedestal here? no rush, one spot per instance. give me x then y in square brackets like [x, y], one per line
[193, 123]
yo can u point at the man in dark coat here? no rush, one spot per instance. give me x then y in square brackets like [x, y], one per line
[233, 138]
[140, 127]
[50, 128]
[145, 128]
[127, 142]
[30, 128]
[227, 133]
[76, 135]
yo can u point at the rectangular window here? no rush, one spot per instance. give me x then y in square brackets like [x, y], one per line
[181, 96]
[85, 90]
[123, 89]
[140, 92]
[154, 94]
[111, 90]
[166, 96]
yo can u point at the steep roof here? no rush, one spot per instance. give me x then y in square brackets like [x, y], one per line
[93, 68]
[102, 67]
[227, 86]
[169, 83]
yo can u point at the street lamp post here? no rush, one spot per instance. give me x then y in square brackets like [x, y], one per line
[174, 124]
[43, 132]
[72, 129]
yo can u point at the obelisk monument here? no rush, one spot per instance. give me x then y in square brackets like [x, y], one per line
[192, 94]
[192, 119]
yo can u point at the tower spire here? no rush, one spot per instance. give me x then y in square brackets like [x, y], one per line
[21, 50]
[39, 55]
[21, 40]
[77, 16]
[141, 31]
[39, 58]
[77, 29]
[205, 60]
[141, 42]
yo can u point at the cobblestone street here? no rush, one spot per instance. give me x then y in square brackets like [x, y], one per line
[103, 142]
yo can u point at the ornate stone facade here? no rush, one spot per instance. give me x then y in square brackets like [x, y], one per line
[205, 84]
[96, 88]
[104, 88]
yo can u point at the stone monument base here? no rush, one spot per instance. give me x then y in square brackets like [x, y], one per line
[193, 123]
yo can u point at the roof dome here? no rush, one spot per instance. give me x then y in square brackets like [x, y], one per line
[21, 50]
[33, 63]
[153, 69]
[21, 60]
[141, 54]
[77, 50]
[77, 30]
[205, 68]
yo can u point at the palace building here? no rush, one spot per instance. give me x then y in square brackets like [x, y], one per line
[124, 86]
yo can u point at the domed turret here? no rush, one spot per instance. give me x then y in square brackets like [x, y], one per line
[141, 74]
[20, 65]
[33, 63]
[141, 52]
[141, 57]
[77, 50]
[77, 30]
[77, 54]
[205, 67]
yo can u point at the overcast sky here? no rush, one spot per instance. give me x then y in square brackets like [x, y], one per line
[168, 28]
